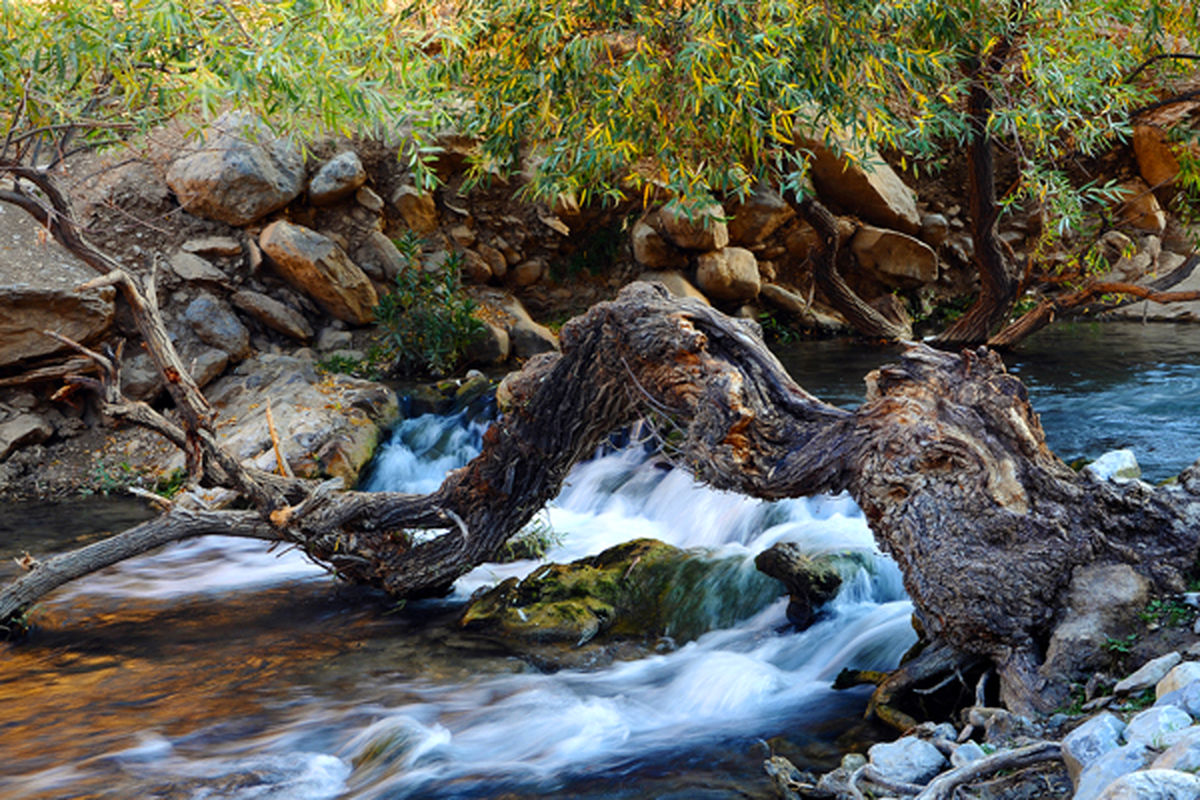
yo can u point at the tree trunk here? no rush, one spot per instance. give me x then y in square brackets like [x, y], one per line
[946, 459]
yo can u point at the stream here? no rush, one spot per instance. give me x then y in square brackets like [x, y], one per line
[217, 669]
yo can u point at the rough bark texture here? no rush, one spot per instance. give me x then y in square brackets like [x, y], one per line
[946, 458]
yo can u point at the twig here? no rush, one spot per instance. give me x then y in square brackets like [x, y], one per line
[285, 468]
[943, 786]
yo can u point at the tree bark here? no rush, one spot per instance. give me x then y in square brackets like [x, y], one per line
[945, 457]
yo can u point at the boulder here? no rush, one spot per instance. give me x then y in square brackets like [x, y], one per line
[1148, 674]
[641, 589]
[729, 274]
[206, 365]
[1152, 726]
[527, 337]
[274, 314]
[140, 378]
[1152, 784]
[313, 263]
[216, 325]
[1139, 208]
[1089, 741]
[338, 177]
[1184, 754]
[897, 259]
[935, 229]
[37, 292]
[676, 284]
[23, 430]
[367, 198]
[493, 347]
[1097, 776]
[475, 268]
[651, 250]
[1102, 602]
[379, 258]
[756, 218]
[328, 425]
[784, 299]
[496, 261]
[907, 760]
[1188, 311]
[191, 267]
[862, 183]
[529, 272]
[416, 208]
[810, 581]
[239, 173]
[1180, 677]
[702, 228]
[1156, 159]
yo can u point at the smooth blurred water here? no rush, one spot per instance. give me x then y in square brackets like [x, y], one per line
[217, 669]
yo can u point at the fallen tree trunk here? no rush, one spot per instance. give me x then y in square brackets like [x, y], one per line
[946, 458]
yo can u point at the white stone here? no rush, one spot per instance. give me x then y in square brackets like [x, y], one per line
[1153, 784]
[729, 274]
[1179, 677]
[1082, 746]
[1151, 727]
[1184, 754]
[1148, 674]
[907, 760]
[1115, 465]
[1095, 779]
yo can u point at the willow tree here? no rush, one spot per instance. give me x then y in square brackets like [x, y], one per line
[946, 457]
[611, 99]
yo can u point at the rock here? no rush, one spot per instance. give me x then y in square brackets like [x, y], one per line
[934, 229]
[207, 365]
[37, 293]
[810, 581]
[762, 213]
[1089, 741]
[1148, 674]
[650, 249]
[213, 245]
[790, 302]
[729, 274]
[1115, 465]
[218, 326]
[641, 589]
[23, 430]
[338, 177]
[334, 339]
[1180, 677]
[529, 272]
[367, 198]
[274, 314]
[966, 753]
[1184, 754]
[896, 259]
[1152, 784]
[328, 425]
[862, 183]
[496, 261]
[1153, 725]
[240, 172]
[462, 235]
[1187, 698]
[528, 338]
[493, 347]
[802, 241]
[191, 267]
[1106, 768]
[1140, 209]
[676, 284]
[313, 263]
[475, 268]
[701, 228]
[1155, 159]
[417, 209]
[1102, 602]
[379, 258]
[140, 379]
[907, 760]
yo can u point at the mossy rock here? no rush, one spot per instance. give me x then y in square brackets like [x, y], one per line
[811, 581]
[643, 589]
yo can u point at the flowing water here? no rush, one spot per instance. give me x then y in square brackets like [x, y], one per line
[215, 669]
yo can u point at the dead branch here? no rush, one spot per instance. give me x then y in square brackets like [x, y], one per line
[944, 786]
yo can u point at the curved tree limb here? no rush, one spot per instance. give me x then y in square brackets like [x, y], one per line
[944, 786]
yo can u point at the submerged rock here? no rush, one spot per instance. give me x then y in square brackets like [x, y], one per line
[641, 589]
[811, 581]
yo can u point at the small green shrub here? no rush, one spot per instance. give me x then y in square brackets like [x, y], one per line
[533, 541]
[1168, 611]
[428, 320]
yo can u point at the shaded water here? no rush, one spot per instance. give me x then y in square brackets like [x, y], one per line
[213, 669]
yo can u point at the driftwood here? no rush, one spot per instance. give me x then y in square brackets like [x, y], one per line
[945, 457]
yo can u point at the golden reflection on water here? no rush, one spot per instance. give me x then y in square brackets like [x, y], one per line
[92, 680]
